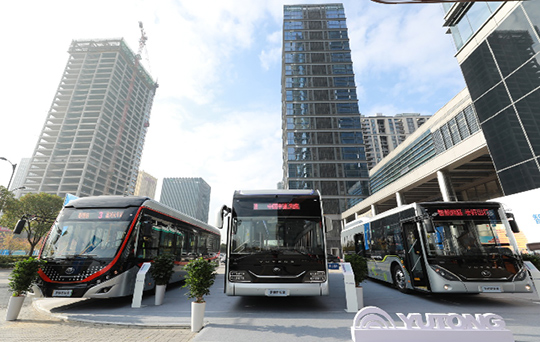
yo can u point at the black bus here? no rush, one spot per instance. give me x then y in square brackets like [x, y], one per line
[276, 244]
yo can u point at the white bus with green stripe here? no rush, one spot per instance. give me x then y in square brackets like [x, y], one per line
[441, 247]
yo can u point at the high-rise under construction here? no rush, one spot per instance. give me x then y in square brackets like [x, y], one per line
[93, 137]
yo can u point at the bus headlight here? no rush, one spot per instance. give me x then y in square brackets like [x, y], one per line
[315, 277]
[239, 276]
[521, 275]
[444, 273]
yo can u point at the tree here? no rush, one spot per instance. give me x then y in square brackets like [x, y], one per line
[6, 196]
[40, 211]
[12, 242]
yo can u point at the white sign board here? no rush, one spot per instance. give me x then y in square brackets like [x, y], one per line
[139, 285]
[375, 325]
[350, 288]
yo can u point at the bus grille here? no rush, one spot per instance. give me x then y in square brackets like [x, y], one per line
[71, 272]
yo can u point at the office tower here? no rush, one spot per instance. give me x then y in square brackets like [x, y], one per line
[190, 196]
[91, 143]
[146, 185]
[323, 146]
[382, 134]
[498, 50]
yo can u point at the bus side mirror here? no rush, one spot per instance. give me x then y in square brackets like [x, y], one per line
[513, 223]
[20, 226]
[224, 211]
[219, 219]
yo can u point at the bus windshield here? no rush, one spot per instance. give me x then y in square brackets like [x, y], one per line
[276, 234]
[468, 237]
[95, 233]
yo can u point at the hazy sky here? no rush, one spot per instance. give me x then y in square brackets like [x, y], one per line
[217, 111]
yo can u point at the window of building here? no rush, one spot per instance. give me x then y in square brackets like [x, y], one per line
[345, 94]
[295, 70]
[295, 58]
[339, 45]
[342, 69]
[351, 138]
[342, 34]
[293, 46]
[293, 35]
[344, 81]
[337, 57]
[336, 24]
[347, 108]
[297, 108]
[293, 12]
[349, 123]
[296, 95]
[293, 25]
[300, 170]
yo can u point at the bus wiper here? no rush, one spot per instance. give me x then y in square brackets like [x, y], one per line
[74, 256]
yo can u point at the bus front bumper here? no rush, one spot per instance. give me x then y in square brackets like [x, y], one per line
[277, 290]
[483, 287]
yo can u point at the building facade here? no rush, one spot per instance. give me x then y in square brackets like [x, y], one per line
[91, 143]
[20, 175]
[382, 134]
[190, 196]
[499, 50]
[323, 146]
[146, 185]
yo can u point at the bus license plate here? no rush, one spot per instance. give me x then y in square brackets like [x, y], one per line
[277, 293]
[491, 289]
[62, 293]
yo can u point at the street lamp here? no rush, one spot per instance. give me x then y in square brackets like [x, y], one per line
[14, 166]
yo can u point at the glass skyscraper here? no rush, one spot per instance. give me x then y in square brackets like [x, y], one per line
[92, 140]
[323, 147]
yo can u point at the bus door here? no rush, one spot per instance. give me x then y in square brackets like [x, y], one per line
[414, 258]
[359, 244]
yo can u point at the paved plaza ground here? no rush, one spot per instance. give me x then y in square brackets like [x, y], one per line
[246, 318]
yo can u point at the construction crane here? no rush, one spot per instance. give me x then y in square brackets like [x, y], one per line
[142, 43]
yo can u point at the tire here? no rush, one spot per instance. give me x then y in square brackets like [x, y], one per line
[399, 279]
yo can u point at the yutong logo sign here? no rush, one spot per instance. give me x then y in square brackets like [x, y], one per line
[374, 324]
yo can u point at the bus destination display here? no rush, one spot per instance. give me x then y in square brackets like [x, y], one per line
[276, 206]
[463, 212]
[99, 214]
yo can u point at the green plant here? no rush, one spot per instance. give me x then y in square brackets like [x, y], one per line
[200, 277]
[8, 261]
[24, 275]
[162, 269]
[534, 258]
[359, 267]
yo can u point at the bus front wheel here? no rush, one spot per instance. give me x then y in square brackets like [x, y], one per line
[399, 279]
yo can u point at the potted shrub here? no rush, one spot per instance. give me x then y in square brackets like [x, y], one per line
[200, 277]
[359, 268]
[22, 277]
[162, 271]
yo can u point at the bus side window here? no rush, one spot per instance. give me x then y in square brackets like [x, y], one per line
[179, 246]
[166, 242]
[148, 242]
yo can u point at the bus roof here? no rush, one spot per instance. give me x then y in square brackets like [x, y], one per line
[274, 192]
[107, 201]
[366, 219]
[137, 201]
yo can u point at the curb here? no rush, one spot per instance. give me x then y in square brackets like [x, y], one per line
[37, 306]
